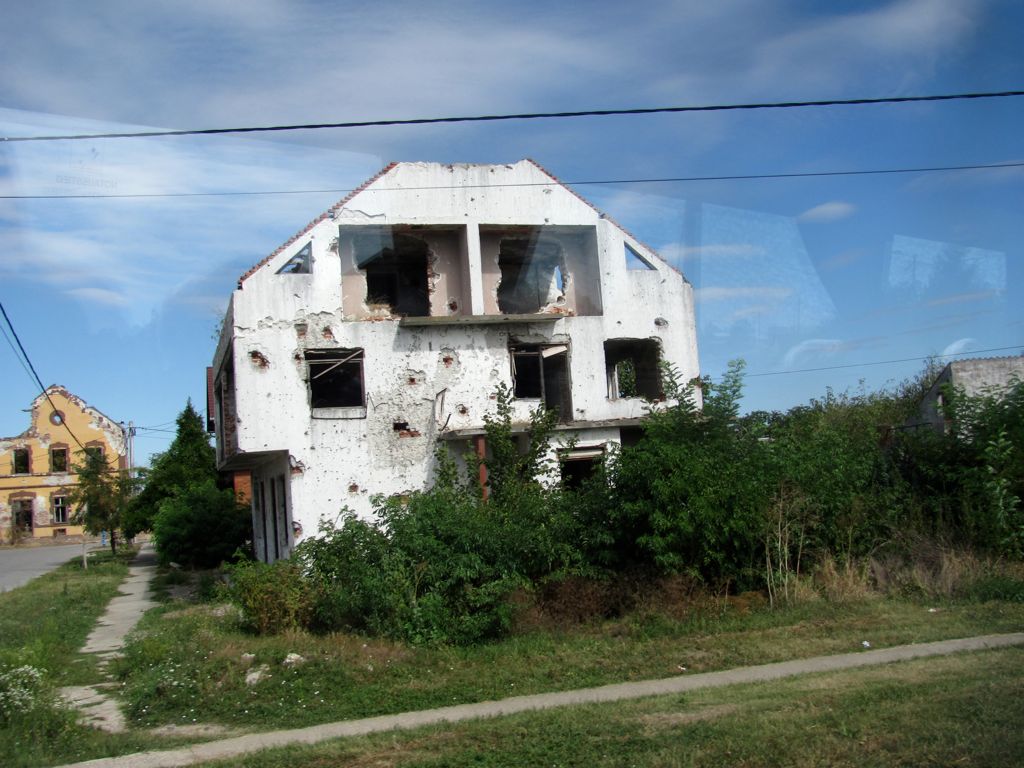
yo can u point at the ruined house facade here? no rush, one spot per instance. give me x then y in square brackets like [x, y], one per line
[975, 376]
[387, 324]
[37, 467]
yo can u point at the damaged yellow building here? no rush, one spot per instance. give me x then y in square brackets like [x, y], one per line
[37, 466]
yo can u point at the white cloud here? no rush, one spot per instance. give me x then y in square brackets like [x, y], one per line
[679, 251]
[812, 350]
[722, 293]
[842, 49]
[99, 296]
[831, 211]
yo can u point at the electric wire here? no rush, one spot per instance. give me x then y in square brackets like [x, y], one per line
[39, 381]
[10, 343]
[519, 116]
[585, 182]
[881, 362]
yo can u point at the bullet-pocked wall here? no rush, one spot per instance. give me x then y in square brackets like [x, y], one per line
[387, 324]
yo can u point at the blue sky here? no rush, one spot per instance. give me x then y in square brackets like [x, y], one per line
[118, 299]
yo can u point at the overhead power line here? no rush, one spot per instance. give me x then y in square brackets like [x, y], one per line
[585, 182]
[39, 381]
[519, 116]
[883, 362]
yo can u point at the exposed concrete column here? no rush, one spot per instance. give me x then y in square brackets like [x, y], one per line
[476, 281]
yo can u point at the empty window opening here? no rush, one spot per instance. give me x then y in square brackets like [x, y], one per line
[400, 426]
[533, 275]
[94, 450]
[576, 471]
[335, 378]
[633, 368]
[630, 436]
[299, 264]
[635, 261]
[58, 459]
[542, 372]
[20, 464]
[60, 509]
[22, 513]
[396, 268]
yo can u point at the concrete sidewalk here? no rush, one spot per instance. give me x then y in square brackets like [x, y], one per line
[125, 610]
[239, 745]
[106, 640]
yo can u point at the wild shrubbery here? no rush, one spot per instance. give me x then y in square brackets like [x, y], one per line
[731, 502]
[195, 522]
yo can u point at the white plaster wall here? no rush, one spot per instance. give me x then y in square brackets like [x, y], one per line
[432, 377]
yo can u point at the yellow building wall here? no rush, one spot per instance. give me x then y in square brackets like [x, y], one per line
[51, 427]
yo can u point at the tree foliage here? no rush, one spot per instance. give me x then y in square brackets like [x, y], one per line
[194, 522]
[189, 460]
[738, 502]
[101, 496]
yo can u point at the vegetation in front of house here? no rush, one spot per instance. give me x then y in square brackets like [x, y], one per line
[194, 659]
[958, 710]
[101, 495]
[42, 626]
[195, 522]
[732, 503]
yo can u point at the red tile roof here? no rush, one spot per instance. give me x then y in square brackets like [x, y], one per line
[329, 212]
[389, 167]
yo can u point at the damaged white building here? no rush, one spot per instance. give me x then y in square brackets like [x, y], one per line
[387, 323]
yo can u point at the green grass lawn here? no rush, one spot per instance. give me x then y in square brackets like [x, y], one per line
[186, 665]
[959, 710]
[190, 664]
[43, 624]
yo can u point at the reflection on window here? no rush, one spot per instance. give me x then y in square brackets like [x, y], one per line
[335, 378]
[299, 264]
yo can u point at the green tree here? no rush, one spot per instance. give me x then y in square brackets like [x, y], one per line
[201, 526]
[189, 460]
[102, 495]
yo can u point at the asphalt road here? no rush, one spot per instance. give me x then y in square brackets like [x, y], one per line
[18, 566]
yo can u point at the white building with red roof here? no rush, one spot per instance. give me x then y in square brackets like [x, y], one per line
[386, 325]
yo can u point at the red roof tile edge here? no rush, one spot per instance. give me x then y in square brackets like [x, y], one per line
[329, 212]
[603, 215]
[390, 166]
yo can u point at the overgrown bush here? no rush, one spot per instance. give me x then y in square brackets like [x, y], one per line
[821, 499]
[440, 564]
[273, 598]
[201, 527]
[691, 496]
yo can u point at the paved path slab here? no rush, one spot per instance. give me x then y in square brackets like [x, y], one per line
[107, 639]
[125, 610]
[225, 748]
[95, 708]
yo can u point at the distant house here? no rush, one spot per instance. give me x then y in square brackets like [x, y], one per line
[975, 376]
[385, 326]
[37, 466]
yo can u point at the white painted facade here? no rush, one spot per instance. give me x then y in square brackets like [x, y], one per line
[494, 237]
